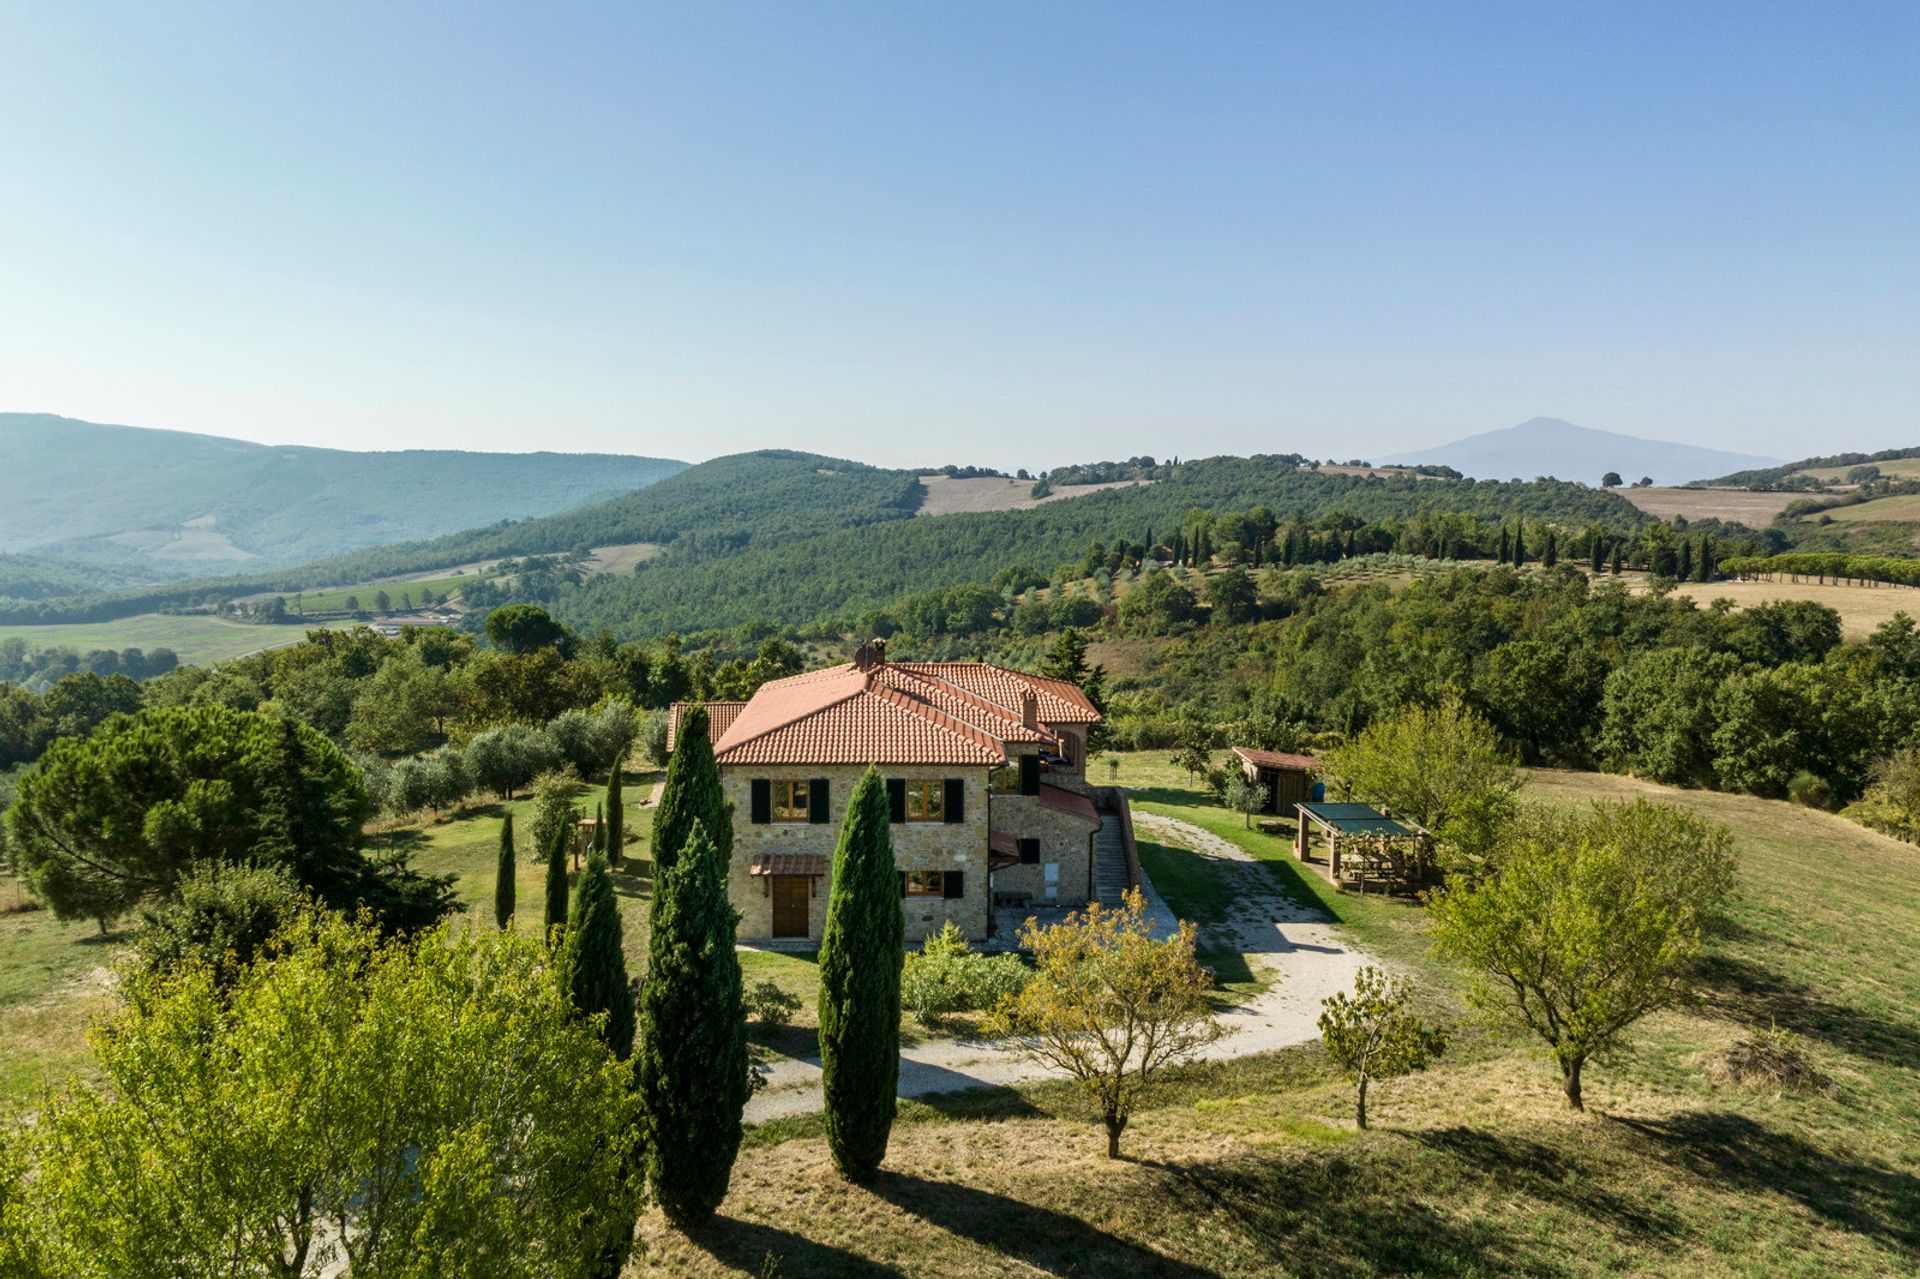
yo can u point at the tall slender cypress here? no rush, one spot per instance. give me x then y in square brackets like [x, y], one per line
[593, 965]
[599, 829]
[503, 875]
[860, 961]
[1551, 555]
[616, 819]
[691, 794]
[1596, 550]
[1519, 544]
[692, 1064]
[557, 877]
[1614, 566]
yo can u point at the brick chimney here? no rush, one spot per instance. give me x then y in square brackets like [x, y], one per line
[1029, 709]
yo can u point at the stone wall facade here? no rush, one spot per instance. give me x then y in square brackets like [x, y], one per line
[1063, 876]
[925, 846]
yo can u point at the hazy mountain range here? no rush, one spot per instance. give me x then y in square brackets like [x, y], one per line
[1549, 446]
[170, 503]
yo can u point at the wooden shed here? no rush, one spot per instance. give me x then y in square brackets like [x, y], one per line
[1288, 778]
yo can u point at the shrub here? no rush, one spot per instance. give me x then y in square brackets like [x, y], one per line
[768, 1005]
[945, 977]
[1772, 1058]
[222, 916]
[1810, 789]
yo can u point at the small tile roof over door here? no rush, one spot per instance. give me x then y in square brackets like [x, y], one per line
[720, 717]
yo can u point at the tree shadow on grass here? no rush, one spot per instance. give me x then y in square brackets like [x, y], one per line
[1759, 997]
[1729, 1149]
[634, 878]
[1549, 1174]
[749, 1246]
[1052, 1242]
[981, 1102]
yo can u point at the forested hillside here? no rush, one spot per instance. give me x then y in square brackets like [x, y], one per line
[172, 504]
[844, 572]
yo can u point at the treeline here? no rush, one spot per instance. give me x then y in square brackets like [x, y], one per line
[38, 667]
[1770, 476]
[1826, 566]
[1571, 671]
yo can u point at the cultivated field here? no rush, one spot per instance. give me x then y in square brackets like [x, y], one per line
[1756, 510]
[947, 496]
[620, 559]
[1903, 509]
[1861, 608]
[198, 639]
[1908, 467]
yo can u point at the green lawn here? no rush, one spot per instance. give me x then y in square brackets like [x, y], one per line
[334, 599]
[199, 640]
[1252, 1167]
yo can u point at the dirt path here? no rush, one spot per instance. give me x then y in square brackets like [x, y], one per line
[1293, 948]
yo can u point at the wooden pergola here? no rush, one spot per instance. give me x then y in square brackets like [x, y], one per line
[1365, 845]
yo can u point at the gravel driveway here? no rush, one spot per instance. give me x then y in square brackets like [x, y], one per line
[1293, 948]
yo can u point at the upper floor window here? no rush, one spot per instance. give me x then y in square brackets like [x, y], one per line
[789, 801]
[926, 800]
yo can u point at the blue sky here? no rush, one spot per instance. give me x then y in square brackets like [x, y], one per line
[1014, 234]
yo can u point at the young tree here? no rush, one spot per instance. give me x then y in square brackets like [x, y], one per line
[692, 794]
[592, 964]
[312, 1121]
[503, 875]
[692, 1068]
[1589, 922]
[1371, 1034]
[860, 961]
[599, 829]
[553, 808]
[1441, 766]
[222, 916]
[1245, 797]
[616, 819]
[557, 881]
[1110, 1006]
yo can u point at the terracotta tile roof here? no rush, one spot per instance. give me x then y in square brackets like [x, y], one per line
[896, 713]
[850, 718]
[1277, 759]
[1002, 850]
[788, 864]
[720, 717]
[1066, 801]
[1059, 701]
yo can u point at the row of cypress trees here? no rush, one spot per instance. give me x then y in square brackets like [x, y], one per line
[689, 1047]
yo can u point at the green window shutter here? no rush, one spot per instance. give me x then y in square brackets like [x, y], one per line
[897, 802]
[954, 886]
[903, 885]
[762, 801]
[1029, 852]
[1029, 774]
[817, 806]
[956, 805]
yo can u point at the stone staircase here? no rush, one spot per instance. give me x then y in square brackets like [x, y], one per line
[1111, 878]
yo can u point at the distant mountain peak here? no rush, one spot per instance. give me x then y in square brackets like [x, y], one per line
[1562, 449]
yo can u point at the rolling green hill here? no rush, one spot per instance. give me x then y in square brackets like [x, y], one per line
[167, 504]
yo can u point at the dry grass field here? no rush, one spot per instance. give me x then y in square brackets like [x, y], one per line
[200, 640]
[1756, 510]
[948, 496]
[1861, 608]
[1904, 509]
[1908, 467]
[620, 559]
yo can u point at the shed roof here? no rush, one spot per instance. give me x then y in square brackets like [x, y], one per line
[1357, 819]
[1277, 759]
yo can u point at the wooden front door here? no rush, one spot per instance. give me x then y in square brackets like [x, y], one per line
[792, 896]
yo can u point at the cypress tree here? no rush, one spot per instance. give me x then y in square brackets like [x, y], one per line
[616, 820]
[599, 829]
[691, 1068]
[1519, 544]
[1684, 567]
[1551, 555]
[1506, 546]
[593, 967]
[503, 875]
[557, 878]
[1596, 550]
[1703, 562]
[691, 794]
[860, 961]
[1616, 560]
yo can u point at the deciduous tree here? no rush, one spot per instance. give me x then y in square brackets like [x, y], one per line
[1588, 923]
[1110, 1006]
[1372, 1034]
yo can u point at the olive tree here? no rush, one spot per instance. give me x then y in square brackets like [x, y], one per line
[1588, 922]
[1371, 1034]
[310, 1120]
[1110, 1006]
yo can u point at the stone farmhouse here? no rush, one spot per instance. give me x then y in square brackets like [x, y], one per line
[986, 778]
